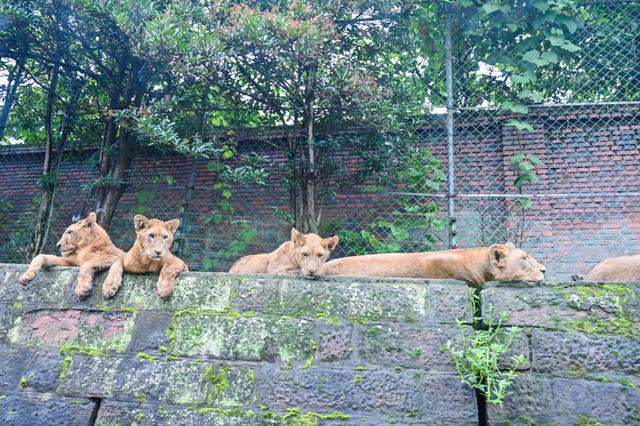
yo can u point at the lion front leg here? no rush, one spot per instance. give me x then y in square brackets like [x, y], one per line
[43, 260]
[113, 281]
[88, 270]
[168, 274]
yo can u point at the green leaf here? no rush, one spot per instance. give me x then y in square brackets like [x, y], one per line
[570, 47]
[541, 5]
[521, 78]
[549, 57]
[568, 22]
[532, 56]
[226, 194]
[491, 7]
[557, 41]
[215, 166]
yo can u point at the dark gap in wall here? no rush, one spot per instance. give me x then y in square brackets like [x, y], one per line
[478, 324]
[96, 409]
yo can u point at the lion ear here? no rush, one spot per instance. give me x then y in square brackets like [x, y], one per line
[140, 222]
[90, 220]
[510, 245]
[296, 237]
[331, 243]
[173, 225]
[498, 255]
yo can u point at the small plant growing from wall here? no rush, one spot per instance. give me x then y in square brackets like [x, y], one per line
[478, 352]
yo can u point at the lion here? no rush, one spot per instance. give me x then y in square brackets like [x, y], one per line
[151, 252]
[85, 244]
[304, 253]
[615, 269]
[498, 262]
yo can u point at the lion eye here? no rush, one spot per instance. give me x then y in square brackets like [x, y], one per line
[152, 235]
[166, 237]
[319, 255]
[305, 254]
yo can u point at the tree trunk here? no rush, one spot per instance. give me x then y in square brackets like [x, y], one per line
[47, 181]
[309, 168]
[116, 176]
[112, 192]
[13, 82]
[310, 216]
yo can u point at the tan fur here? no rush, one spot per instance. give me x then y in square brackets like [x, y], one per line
[85, 244]
[499, 262]
[304, 253]
[616, 269]
[151, 252]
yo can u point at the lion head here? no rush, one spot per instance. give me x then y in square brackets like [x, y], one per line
[310, 251]
[155, 236]
[509, 263]
[78, 235]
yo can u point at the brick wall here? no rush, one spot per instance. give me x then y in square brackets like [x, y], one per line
[585, 208]
[267, 350]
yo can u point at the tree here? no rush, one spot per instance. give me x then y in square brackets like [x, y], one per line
[308, 66]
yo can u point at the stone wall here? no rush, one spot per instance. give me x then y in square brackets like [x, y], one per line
[235, 350]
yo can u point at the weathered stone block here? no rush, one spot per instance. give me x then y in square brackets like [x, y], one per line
[449, 301]
[519, 347]
[45, 409]
[589, 307]
[194, 290]
[25, 368]
[150, 331]
[242, 337]
[540, 399]
[51, 288]
[407, 393]
[177, 382]
[100, 330]
[118, 413]
[407, 346]
[581, 354]
[382, 300]
[335, 342]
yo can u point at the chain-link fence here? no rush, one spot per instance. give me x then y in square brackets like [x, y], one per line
[581, 141]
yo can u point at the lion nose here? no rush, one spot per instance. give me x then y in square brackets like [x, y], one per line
[158, 253]
[543, 269]
[59, 244]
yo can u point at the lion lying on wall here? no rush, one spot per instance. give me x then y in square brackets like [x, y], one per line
[615, 269]
[304, 253]
[85, 244]
[499, 262]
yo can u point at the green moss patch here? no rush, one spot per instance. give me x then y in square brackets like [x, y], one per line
[608, 306]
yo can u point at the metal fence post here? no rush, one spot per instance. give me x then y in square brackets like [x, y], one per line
[450, 156]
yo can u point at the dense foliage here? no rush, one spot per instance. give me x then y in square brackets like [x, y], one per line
[335, 76]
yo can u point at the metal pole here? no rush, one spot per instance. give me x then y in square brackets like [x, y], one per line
[450, 158]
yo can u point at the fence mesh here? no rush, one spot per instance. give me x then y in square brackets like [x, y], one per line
[585, 205]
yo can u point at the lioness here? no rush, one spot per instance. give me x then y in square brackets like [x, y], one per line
[499, 262]
[85, 244]
[150, 253]
[617, 269]
[304, 253]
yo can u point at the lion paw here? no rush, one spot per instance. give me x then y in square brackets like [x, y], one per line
[110, 287]
[165, 291]
[26, 277]
[83, 288]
